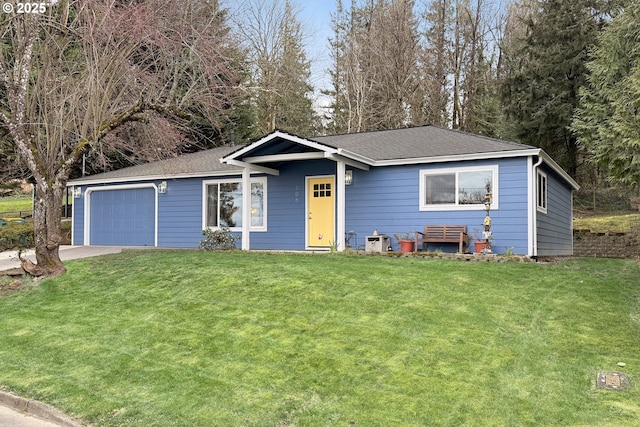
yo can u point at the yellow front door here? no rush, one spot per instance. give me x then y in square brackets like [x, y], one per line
[320, 212]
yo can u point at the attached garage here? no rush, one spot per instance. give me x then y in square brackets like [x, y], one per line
[121, 216]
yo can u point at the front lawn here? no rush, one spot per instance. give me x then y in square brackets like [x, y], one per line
[187, 338]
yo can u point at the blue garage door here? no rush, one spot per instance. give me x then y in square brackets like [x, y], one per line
[123, 217]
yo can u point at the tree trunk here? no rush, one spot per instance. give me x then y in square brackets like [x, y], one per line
[47, 218]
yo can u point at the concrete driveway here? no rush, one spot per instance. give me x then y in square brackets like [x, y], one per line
[9, 259]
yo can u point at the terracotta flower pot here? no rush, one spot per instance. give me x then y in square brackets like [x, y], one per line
[479, 246]
[406, 245]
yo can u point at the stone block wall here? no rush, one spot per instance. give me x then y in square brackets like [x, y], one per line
[606, 245]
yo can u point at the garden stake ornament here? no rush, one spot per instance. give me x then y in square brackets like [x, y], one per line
[487, 219]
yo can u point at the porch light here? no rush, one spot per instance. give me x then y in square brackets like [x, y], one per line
[162, 188]
[348, 177]
[77, 192]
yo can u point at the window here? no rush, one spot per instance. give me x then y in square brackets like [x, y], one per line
[460, 188]
[541, 192]
[322, 190]
[223, 204]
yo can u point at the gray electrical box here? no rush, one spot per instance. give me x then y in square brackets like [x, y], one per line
[378, 243]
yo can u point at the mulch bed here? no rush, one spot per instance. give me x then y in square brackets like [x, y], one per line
[11, 281]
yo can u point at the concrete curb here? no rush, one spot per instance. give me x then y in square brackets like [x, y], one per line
[38, 410]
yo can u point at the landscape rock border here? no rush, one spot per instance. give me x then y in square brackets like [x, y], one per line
[458, 256]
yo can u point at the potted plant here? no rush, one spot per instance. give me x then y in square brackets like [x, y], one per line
[482, 241]
[405, 240]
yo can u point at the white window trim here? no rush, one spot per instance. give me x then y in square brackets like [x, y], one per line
[539, 207]
[205, 183]
[454, 206]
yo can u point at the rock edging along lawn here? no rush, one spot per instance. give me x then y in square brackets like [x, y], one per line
[458, 256]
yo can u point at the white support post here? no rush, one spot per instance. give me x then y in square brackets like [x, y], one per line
[341, 215]
[246, 208]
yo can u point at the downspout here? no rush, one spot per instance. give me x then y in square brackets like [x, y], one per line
[246, 208]
[534, 207]
[341, 214]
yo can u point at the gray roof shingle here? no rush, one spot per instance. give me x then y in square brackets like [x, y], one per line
[417, 142]
[379, 146]
[202, 163]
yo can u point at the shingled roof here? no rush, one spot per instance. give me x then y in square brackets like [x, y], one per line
[417, 142]
[202, 163]
[375, 148]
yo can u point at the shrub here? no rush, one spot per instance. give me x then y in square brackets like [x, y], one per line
[220, 239]
[16, 236]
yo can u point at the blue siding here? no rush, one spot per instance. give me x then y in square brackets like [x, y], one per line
[180, 214]
[554, 228]
[385, 199]
[286, 211]
[77, 220]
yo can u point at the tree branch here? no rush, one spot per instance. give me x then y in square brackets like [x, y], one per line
[129, 115]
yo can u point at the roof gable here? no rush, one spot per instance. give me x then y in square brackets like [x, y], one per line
[276, 143]
[421, 144]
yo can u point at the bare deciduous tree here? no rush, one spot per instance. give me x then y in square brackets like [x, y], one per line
[457, 62]
[376, 52]
[280, 71]
[72, 75]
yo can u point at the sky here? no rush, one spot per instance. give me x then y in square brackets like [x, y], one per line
[315, 17]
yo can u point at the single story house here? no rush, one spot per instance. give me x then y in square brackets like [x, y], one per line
[333, 192]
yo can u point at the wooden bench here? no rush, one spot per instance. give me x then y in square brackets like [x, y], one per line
[443, 234]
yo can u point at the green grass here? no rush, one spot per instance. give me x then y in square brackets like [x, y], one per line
[186, 338]
[608, 223]
[15, 204]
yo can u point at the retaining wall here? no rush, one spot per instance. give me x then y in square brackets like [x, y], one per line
[606, 245]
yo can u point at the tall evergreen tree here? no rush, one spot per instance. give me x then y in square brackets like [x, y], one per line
[281, 73]
[340, 119]
[295, 104]
[545, 71]
[484, 116]
[607, 121]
